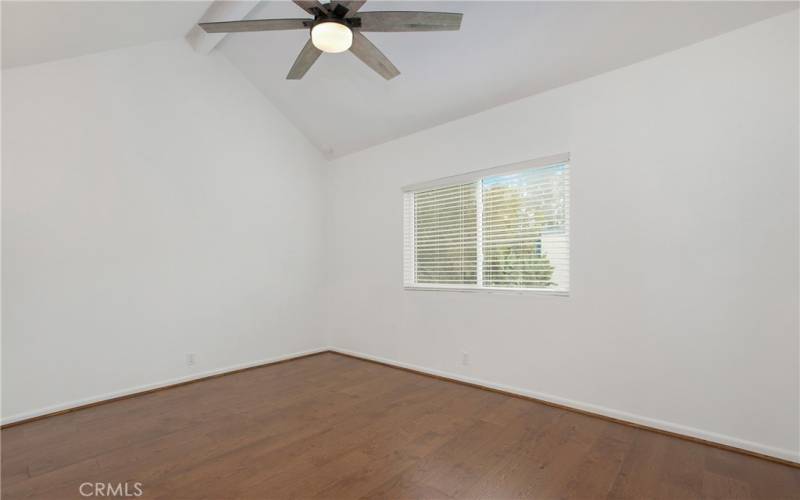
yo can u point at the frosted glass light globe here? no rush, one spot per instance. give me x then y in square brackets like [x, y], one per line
[331, 37]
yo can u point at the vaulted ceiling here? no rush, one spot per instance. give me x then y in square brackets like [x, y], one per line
[36, 32]
[504, 51]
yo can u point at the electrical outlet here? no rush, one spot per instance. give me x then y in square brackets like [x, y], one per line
[190, 359]
[465, 358]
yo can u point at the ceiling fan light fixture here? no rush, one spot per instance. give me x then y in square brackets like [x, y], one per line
[331, 37]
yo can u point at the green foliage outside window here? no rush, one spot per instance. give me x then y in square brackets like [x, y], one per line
[512, 240]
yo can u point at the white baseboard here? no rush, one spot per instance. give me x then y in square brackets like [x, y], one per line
[147, 387]
[784, 454]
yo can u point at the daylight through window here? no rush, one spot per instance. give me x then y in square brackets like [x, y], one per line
[505, 229]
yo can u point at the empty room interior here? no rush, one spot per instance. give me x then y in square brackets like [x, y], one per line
[400, 249]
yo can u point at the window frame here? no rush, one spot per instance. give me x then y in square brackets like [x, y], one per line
[478, 176]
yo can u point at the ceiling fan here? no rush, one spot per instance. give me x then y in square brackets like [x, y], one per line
[337, 26]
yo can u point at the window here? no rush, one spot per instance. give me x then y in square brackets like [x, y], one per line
[501, 229]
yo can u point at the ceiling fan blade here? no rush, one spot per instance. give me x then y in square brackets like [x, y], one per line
[311, 6]
[304, 60]
[372, 57]
[256, 25]
[409, 21]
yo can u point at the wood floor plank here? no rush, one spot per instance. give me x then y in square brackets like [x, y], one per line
[595, 474]
[330, 426]
[716, 487]
[641, 469]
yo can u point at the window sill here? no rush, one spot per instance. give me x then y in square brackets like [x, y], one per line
[500, 291]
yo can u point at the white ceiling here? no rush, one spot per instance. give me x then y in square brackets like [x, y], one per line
[35, 32]
[504, 51]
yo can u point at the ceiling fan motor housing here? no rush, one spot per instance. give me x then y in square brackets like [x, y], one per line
[350, 22]
[336, 10]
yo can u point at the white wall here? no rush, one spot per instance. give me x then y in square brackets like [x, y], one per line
[684, 305]
[154, 204]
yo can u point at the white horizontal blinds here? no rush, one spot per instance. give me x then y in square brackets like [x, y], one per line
[444, 235]
[525, 229]
[408, 238]
[507, 229]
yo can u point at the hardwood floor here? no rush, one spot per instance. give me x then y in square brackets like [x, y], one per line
[329, 426]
